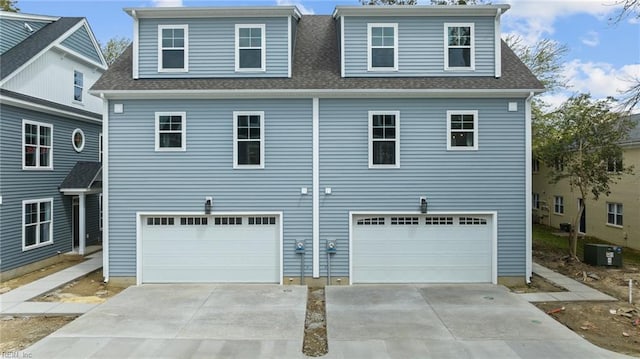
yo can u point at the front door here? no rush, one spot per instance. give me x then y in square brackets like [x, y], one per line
[75, 219]
[583, 218]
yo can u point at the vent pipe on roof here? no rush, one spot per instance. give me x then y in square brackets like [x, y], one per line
[28, 27]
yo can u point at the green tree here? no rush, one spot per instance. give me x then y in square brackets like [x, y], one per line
[456, 2]
[580, 139]
[114, 48]
[9, 5]
[388, 2]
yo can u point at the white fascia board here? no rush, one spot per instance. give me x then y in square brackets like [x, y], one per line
[203, 12]
[304, 93]
[78, 56]
[26, 17]
[6, 100]
[419, 10]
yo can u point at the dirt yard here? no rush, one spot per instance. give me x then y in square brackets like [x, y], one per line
[611, 325]
[315, 326]
[17, 333]
[66, 261]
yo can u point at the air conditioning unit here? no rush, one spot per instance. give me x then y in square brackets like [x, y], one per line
[602, 255]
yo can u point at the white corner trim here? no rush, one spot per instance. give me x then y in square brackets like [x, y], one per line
[136, 48]
[342, 55]
[528, 189]
[289, 47]
[498, 44]
[316, 187]
[105, 189]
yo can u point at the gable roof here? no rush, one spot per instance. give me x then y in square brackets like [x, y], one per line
[316, 67]
[25, 51]
[83, 176]
[16, 27]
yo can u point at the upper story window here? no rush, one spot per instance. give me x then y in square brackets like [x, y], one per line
[535, 199]
[77, 140]
[459, 51]
[78, 85]
[462, 130]
[37, 223]
[173, 48]
[248, 139]
[171, 131]
[250, 48]
[614, 165]
[383, 46]
[37, 145]
[384, 139]
[535, 165]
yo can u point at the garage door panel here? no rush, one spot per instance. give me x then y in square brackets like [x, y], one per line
[211, 252]
[395, 249]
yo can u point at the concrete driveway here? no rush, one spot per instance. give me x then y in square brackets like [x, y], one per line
[446, 321]
[267, 321]
[186, 321]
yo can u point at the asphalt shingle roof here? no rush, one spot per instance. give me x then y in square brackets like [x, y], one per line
[83, 175]
[316, 65]
[32, 45]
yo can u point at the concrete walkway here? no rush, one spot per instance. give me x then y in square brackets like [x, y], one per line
[16, 301]
[576, 292]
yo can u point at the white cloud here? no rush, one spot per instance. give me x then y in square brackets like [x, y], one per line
[167, 3]
[634, 20]
[534, 19]
[592, 39]
[303, 9]
[599, 78]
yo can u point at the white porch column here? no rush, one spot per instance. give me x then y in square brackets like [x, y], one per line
[82, 228]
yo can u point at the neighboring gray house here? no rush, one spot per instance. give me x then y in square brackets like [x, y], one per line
[401, 133]
[49, 125]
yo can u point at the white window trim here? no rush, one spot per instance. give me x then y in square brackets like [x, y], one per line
[186, 48]
[475, 130]
[535, 200]
[235, 139]
[615, 225]
[37, 166]
[184, 132]
[397, 139]
[370, 46]
[447, 25]
[38, 244]
[555, 201]
[263, 47]
[100, 212]
[81, 100]
[73, 142]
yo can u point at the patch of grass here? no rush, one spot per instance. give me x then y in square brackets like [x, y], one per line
[545, 239]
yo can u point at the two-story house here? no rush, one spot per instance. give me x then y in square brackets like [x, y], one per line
[50, 133]
[614, 217]
[375, 145]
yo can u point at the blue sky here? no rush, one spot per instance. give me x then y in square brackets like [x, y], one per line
[602, 56]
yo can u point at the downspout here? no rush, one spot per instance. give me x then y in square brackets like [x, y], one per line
[528, 188]
[105, 187]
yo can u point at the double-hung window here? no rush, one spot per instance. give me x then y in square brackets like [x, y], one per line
[614, 165]
[37, 145]
[558, 204]
[614, 214]
[171, 131]
[250, 47]
[462, 130]
[78, 85]
[459, 52]
[383, 47]
[173, 48]
[535, 198]
[384, 139]
[37, 223]
[248, 139]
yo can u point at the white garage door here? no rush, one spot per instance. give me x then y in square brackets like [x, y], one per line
[211, 249]
[422, 249]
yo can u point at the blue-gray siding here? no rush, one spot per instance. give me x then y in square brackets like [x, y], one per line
[13, 32]
[80, 42]
[142, 180]
[489, 179]
[212, 47]
[420, 46]
[17, 185]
